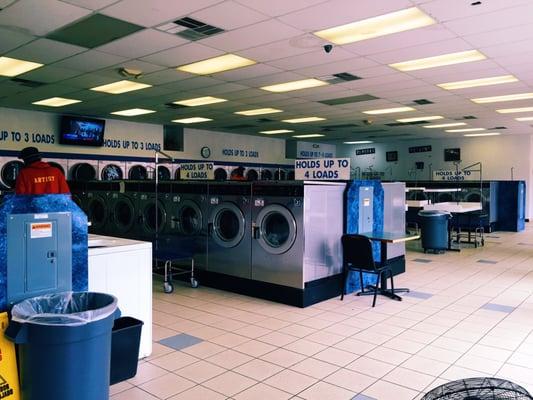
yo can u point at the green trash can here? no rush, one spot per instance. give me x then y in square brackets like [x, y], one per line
[64, 345]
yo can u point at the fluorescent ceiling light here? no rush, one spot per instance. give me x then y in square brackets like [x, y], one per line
[56, 102]
[199, 101]
[360, 142]
[120, 87]
[416, 119]
[133, 112]
[309, 135]
[495, 80]
[389, 110]
[304, 119]
[14, 67]
[445, 125]
[217, 64]
[483, 134]
[514, 110]
[192, 120]
[386, 24]
[276, 131]
[522, 119]
[508, 97]
[259, 111]
[439, 61]
[466, 130]
[295, 85]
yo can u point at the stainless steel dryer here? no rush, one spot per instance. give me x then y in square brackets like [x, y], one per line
[97, 206]
[83, 171]
[296, 231]
[9, 172]
[79, 194]
[229, 228]
[188, 214]
[124, 210]
[152, 213]
[112, 172]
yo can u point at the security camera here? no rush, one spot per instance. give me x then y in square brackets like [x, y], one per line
[368, 121]
[328, 48]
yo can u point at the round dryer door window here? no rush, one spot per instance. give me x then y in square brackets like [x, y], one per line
[277, 229]
[123, 214]
[228, 225]
[96, 212]
[252, 175]
[163, 173]
[83, 172]
[10, 171]
[220, 174]
[154, 216]
[138, 173]
[266, 175]
[189, 218]
[111, 172]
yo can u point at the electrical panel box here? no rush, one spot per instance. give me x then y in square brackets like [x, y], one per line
[39, 255]
[366, 209]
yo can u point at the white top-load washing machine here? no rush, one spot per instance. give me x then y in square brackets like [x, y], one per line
[296, 228]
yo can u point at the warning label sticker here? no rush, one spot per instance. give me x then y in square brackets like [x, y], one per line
[41, 230]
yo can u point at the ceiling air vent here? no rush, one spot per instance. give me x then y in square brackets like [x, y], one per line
[242, 126]
[469, 117]
[27, 83]
[422, 102]
[407, 123]
[265, 120]
[348, 100]
[339, 78]
[174, 106]
[190, 29]
[498, 127]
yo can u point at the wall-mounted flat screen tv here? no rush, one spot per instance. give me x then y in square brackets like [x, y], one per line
[452, 154]
[81, 131]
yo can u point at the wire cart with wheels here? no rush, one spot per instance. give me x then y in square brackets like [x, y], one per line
[174, 263]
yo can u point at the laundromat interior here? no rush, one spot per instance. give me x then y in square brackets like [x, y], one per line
[266, 199]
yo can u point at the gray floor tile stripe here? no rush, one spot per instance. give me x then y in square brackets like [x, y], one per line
[419, 295]
[362, 397]
[498, 307]
[180, 341]
[422, 260]
[487, 262]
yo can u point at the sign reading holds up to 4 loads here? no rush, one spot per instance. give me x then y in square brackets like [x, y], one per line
[322, 169]
[197, 171]
[453, 175]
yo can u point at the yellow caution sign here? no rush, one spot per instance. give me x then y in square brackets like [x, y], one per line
[9, 380]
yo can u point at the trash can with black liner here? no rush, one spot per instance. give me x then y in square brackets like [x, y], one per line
[434, 229]
[64, 345]
[125, 344]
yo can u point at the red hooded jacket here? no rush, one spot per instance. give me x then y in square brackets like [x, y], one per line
[41, 178]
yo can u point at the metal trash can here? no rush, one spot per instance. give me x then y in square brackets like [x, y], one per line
[64, 345]
[434, 227]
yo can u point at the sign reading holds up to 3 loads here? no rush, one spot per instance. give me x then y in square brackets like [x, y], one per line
[322, 169]
[197, 171]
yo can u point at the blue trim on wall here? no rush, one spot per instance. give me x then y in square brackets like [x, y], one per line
[72, 156]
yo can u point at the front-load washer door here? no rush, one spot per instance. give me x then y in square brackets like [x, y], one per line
[123, 215]
[227, 225]
[189, 219]
[10, 172]
[97, 213]
[275, 229]
[154, 216]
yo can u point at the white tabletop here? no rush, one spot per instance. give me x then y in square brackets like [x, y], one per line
[454, 207]
[417, 203]
[445, 190]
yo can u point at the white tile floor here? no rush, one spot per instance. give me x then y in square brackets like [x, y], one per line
[254, 349]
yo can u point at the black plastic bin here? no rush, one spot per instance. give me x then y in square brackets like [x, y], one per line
[125, 348]
[434, 227]
[64, 345]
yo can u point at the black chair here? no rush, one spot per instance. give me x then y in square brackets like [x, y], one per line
[357, 255]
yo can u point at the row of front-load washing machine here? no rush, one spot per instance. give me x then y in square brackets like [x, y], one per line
[88, 170]
[283, 233]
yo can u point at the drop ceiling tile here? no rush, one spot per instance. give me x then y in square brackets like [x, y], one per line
[318, 57]
[154, 12]
[86, 95]
[276, 8]
[495, 20]
[185, 54]
[9, 88]
[89, 61]
[87, 81]
[229, 15]
[23, 14]
[379, 70]
[192, 84]
[165, 76]
[422, 51]
[243, 94]
[90, 4]
[352, 65]
[12, 39]
[505, 50]
[220, 90]
[337, 12]
[45, 51]
[251, 36]
[452, 75]
[281, 49]
[249, 72]
[455, 69]
[142, 43]
[416, 37]
[49, 74]
[145, 67]
[271, 80]
[499, 36]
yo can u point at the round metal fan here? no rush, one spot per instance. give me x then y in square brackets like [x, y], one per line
[478, 389]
